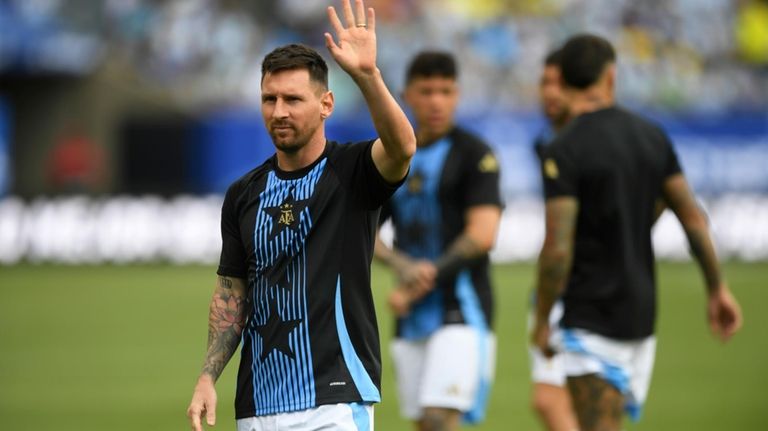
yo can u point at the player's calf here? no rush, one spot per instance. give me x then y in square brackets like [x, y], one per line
[439, 419]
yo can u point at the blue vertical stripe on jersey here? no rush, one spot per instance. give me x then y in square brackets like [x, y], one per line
[280, 383]
[469, 302]
[424, 318]
[420, 209]
[473, 314]
[360, 376]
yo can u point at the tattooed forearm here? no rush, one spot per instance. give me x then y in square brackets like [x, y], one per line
[460, 254]
[704, 252]
[556, 253]
[466, 247]
[681, 200]
[225, 282]
[227, 316]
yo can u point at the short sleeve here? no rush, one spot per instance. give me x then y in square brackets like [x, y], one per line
[559, 172]
[386, 212]
[672, 165]
[356, 166]
[482, 178]
[232, 262]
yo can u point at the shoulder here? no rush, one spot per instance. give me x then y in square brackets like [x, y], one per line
[469, 147]
[337, 151]
[468, 141]
[649, 125]
[473, 152]
[241, 185]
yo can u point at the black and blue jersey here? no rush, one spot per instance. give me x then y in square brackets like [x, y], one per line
[447, 177]
[303, 240]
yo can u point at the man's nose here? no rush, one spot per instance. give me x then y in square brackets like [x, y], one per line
[281, 109]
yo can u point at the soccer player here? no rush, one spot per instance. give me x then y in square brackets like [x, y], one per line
[550, 398]
[553, 103]
[298, 234]
[602, 176]
[445, 221]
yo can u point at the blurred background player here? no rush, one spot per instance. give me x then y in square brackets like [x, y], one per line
[445, 221]
[550, 398]
[602, 178]
[297, 237]
[552, 101]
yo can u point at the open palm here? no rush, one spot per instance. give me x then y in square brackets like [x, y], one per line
[356, 48]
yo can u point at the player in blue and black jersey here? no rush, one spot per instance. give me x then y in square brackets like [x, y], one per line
[298, 236]
[445, 221]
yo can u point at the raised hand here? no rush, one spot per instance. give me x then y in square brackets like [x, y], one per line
[356, 48]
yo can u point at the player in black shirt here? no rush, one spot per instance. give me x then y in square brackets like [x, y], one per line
[298, 235]
[602, 176]
[445, 221]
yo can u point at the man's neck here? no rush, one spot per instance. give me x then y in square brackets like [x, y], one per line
[558, 124]
[590, 100]
[424, 138]
[307, 155]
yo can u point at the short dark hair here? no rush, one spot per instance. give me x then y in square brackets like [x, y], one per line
[427, 64]
[296, 56]
[583, 59]
[554, 58]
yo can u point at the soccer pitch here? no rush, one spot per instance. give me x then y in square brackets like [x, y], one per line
[119, 348]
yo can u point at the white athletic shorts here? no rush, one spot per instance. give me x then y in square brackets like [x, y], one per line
[550, 371]
[627, 365]
[341, 417]
[453, 368]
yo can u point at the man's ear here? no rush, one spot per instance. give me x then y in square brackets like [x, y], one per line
[326, 102]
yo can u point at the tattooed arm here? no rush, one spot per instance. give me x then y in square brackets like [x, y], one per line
[226, 319]
[482, 225]
[477, 239]
[723, 311]
[554, 263]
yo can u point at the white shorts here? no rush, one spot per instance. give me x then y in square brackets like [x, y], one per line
[627, 365]
[342, 417]
[453, 368]
[550, 371]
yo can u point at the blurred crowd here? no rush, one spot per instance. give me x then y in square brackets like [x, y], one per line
[700, 55]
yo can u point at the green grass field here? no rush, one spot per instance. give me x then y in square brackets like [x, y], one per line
[119, 348]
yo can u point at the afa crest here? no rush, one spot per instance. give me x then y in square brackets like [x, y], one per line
[550, 169]
[488, 164]
[286, 214]
[415, 183]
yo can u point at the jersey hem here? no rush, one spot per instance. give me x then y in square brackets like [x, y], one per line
[226, 271]
[342, 400]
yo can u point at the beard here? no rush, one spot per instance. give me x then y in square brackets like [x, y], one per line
[288, 138]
